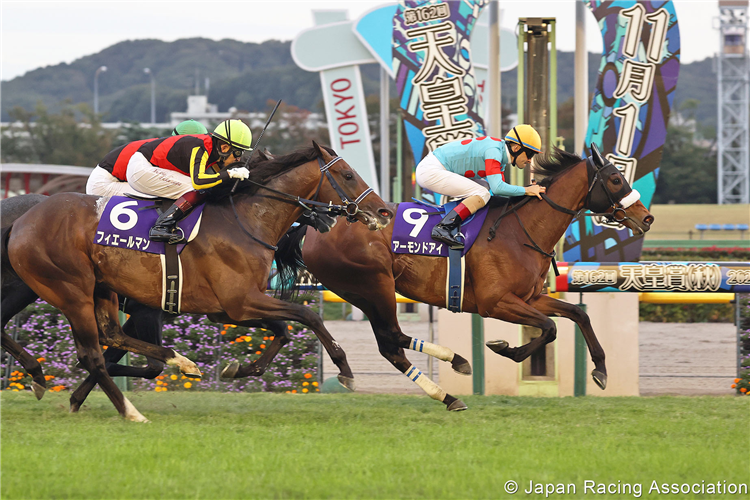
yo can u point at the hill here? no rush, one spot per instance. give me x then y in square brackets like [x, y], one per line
[246, 76]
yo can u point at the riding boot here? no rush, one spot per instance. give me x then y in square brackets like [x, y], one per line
[164, 229]
[443, 230]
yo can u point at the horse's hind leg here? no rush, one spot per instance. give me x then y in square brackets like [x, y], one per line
[144, 324]
[514, 310]
[391, 344]
[549, 306]
[15, 299]
[259, 366]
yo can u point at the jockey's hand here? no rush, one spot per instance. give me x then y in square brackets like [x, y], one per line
[535, 190]
[238, 173]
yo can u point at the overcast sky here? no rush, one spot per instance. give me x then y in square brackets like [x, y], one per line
[41, 33]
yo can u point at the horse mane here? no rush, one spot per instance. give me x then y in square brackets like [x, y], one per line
[551, 165]
[264, 169]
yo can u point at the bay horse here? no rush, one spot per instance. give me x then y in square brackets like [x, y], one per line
[505, 269]
[144, 323]
[51, 249]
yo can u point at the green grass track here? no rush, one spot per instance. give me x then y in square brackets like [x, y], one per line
[213, 445]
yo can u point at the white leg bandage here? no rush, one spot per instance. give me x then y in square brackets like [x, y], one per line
[437, 351]
[431, 388]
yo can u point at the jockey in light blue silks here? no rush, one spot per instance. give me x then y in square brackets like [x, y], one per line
[447, 171]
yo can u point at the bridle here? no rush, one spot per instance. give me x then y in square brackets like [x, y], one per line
[350, 208]
[598, 200]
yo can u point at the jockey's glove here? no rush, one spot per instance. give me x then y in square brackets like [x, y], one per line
[238, 173]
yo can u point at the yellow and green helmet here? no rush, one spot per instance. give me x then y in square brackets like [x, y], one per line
[235, 133]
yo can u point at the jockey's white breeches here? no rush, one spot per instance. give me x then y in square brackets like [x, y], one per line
[102, 183]
[146, 178]
[432, 175]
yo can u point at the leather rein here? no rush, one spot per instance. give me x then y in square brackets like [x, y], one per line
[350, 208]
[596, 180]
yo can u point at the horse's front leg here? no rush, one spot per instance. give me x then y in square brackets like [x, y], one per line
[260, 305]
[514, 310]
[551, 307]
[259, 366]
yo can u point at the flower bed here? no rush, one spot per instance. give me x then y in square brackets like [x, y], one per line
[45, 333]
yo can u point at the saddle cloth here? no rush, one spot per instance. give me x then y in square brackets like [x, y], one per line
[125, 222]
[414, 223]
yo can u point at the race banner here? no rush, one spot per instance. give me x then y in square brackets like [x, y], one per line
[434, 74]
[629, 114]
[728, 277]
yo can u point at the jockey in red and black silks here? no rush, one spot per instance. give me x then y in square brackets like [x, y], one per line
[109, 178]
[179, 166]
[449, 168]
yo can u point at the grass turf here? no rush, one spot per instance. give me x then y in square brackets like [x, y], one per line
[211, 445]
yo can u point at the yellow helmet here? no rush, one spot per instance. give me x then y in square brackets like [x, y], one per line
[526, 136]
[235, 133]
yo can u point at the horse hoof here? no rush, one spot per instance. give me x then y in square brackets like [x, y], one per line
[196, 376]
[460, 365]
[346, 382]
[231, 370]
[457, 405]
[600, 379]
[39, 390]
[497, 346]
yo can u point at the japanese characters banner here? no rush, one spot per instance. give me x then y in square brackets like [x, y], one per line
[433, 72]
[629, 114]
[728, 277]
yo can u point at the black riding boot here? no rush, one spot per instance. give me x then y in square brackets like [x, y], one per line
[164, 229]
[442, 231]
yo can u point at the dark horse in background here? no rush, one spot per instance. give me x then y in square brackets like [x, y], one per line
[144, 323]
[505, 269]
[51, 249]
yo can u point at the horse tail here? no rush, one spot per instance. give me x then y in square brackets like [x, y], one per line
[289, 261]
[7, 270]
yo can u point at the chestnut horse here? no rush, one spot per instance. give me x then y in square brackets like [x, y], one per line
[505, 269]
[51, 249]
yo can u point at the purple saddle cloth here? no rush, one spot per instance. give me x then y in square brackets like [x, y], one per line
[125, 223]
[414, 223]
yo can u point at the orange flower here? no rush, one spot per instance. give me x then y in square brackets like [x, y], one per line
[294, 391]
[188, 385]
[232, 342]
[743, 390]
[173, 377]
[308, 375]
[315, 384]
[304, 390]
[265, 338]
[223, 332]
[49, 377]
[736, 380]
[263, 346]
[41, 360]
[317, 390]
[257, 352]
[734, 385]
[305, 384]
[270, 338]
[289, 327]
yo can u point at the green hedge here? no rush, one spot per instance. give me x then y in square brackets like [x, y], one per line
[691, 313]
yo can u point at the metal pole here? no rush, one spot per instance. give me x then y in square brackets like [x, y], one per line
[320, 346]
[100, 69]
[579, 385]
[153, 100]
[477, 353]
[385, 145]
[493, 69]
[398, 181]
[581, 91]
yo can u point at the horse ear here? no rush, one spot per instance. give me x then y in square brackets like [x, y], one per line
[322, 152]
[598, 159]
[262, 155]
